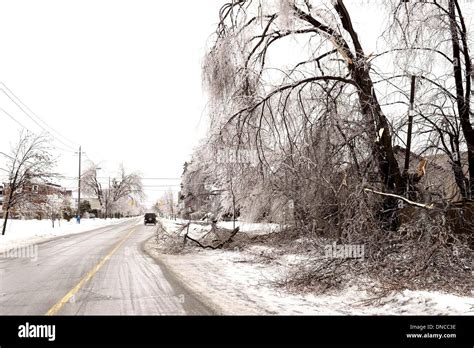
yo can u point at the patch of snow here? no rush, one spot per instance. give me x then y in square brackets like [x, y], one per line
[22, 232]
[251, 228]
[239, 282]
[240, 286]
[172, 225]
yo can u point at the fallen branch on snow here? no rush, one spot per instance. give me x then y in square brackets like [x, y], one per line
[213, 247]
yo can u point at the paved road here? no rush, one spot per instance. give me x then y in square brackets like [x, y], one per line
[105, 271]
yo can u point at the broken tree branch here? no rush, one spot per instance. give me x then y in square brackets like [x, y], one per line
[213, 247]
[416, 204]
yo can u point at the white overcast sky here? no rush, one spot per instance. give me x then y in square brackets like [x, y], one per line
[120, 77]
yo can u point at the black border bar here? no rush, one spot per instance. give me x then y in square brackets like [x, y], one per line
[249, 331]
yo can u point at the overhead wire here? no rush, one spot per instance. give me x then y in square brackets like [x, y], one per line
[22, 106]
[62, 139]
[27, 128]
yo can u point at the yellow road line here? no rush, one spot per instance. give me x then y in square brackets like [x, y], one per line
[57, 307]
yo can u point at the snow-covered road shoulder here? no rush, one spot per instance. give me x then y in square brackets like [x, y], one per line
[240, 282]
[26, 232]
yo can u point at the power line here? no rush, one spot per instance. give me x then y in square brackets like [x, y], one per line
[22, 106]
[61, 149]
[25, 127]
[96, 153]
[35, 115]
[6, 155]
[15, 120]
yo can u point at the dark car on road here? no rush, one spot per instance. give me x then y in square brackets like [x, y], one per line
[150, 218]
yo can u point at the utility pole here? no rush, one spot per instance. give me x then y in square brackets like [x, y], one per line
[410, 124]
[79, 189]
[409, 133]
[100, 211]
[108, 202]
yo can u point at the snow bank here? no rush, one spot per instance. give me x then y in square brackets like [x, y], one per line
[252, 228]
[21, 232]
[238, 282]
[172, 225]
[239, 286]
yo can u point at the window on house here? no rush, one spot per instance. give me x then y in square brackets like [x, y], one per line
[34, 188]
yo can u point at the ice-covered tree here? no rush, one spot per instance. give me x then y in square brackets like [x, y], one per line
[29, 160]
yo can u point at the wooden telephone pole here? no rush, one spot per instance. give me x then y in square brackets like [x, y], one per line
[79, 189]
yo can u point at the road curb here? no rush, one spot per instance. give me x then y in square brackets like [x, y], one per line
[168, 269]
